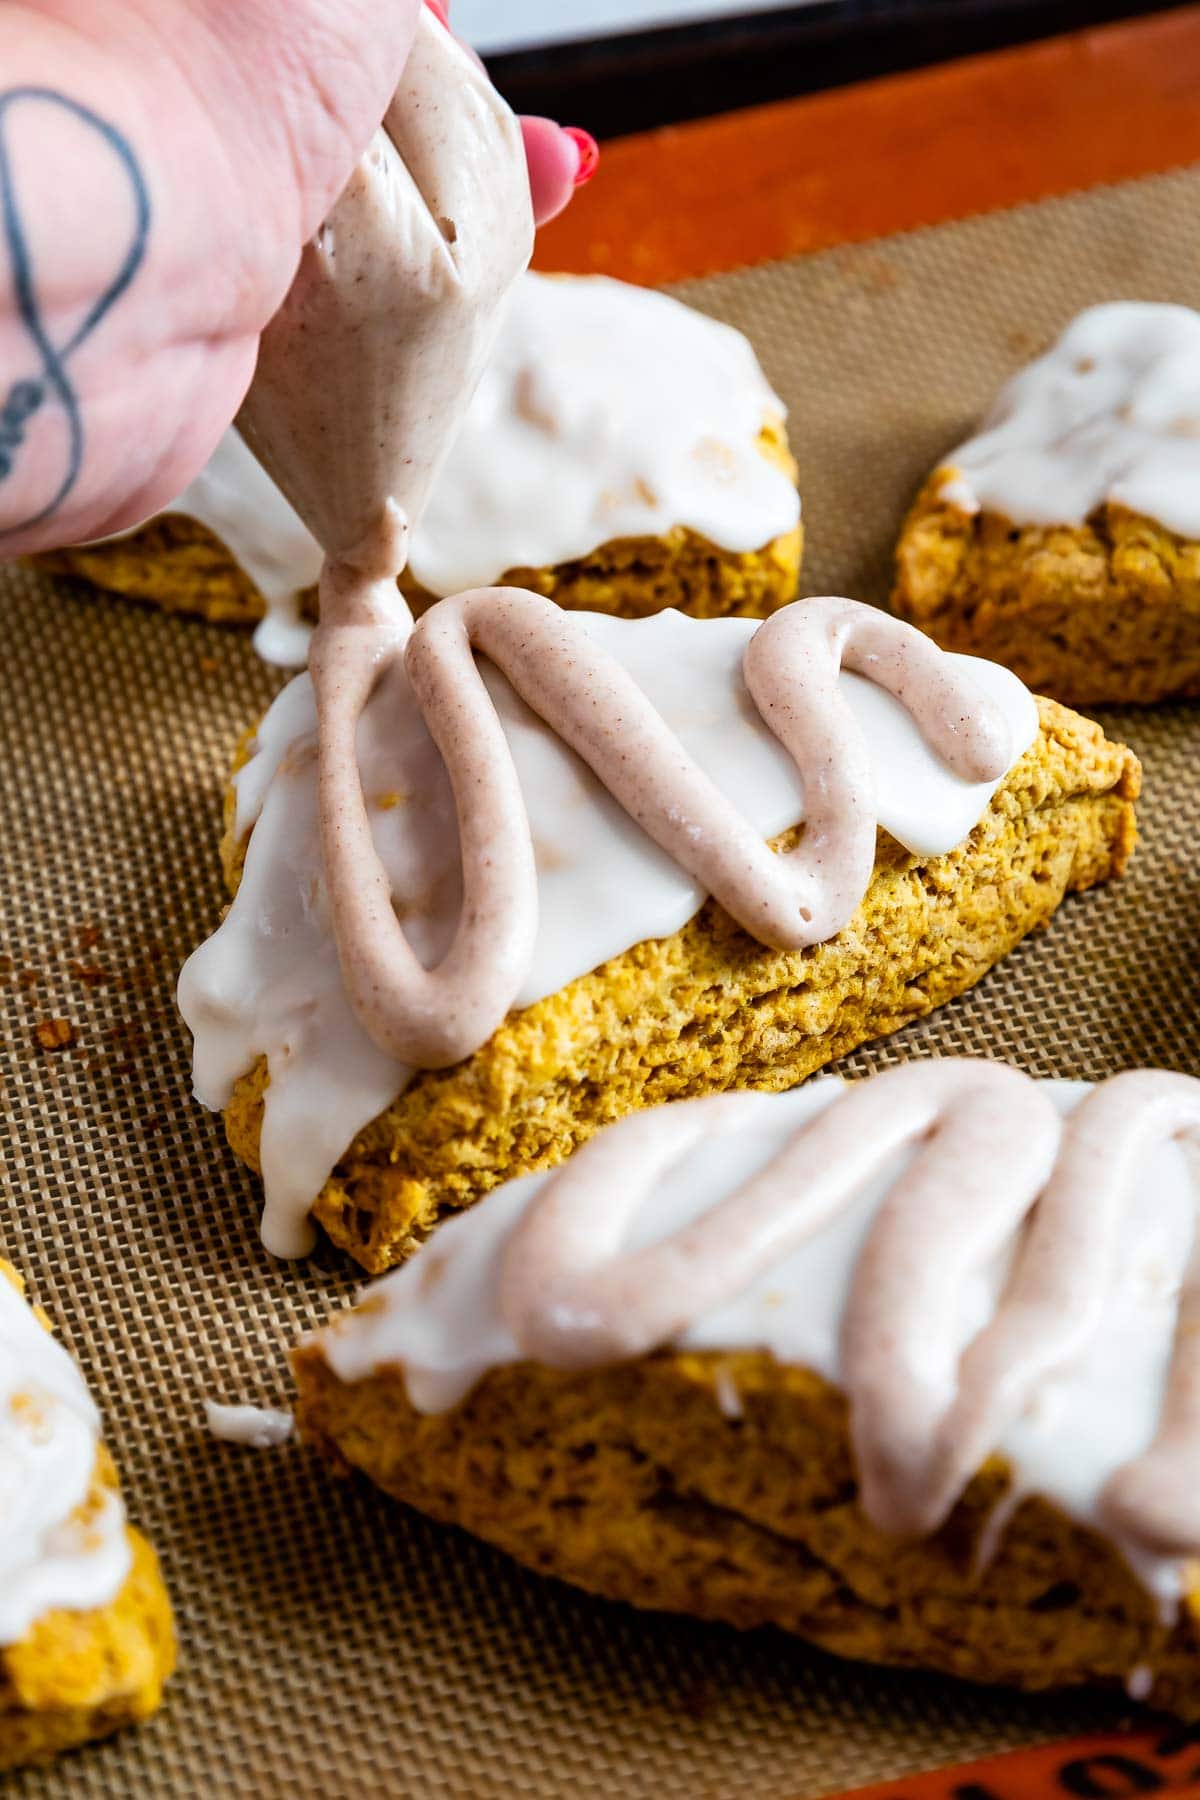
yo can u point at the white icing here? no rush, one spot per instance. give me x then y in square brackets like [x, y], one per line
[439, 1318]
[268, 981]
[255, 1427]
[49, 1436]
[1110, 414]
[606, 411]
[239, 503]
[282, 635]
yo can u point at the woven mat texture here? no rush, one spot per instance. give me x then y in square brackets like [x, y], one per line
[334, 1644]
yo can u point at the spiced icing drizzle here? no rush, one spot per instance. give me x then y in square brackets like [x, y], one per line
[433, 1018]
[335, 1025]
[980, 1261]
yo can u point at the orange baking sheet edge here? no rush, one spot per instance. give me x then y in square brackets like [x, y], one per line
[1162, 1759]
[982, 133]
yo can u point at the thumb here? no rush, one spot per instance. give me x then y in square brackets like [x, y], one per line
[561, 158]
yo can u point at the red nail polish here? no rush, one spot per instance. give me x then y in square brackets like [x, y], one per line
[589, 153]
[440, 8]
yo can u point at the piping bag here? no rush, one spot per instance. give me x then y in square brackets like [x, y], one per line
[365, 372]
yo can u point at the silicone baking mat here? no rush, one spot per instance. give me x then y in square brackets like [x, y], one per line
[333, 1643]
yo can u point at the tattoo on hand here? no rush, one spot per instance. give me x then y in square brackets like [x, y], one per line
[48, 382]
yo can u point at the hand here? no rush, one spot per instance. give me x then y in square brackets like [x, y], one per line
[165, 163]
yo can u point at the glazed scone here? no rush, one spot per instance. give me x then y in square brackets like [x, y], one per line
[1064, 540]
[86, 1635]
[640, 990]
[763, 1425]
[622, 454]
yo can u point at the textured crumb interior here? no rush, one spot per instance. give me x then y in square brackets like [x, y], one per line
[1102, 613]
[708, 1008]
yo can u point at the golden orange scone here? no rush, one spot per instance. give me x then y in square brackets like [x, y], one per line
[623, 454]
[1064, 541]
[678, 567]
[1104, 613]
[633, 1484]
[173, 562]
[764, 1430]
[177, 563]
[86, 1634]
[707, 1008]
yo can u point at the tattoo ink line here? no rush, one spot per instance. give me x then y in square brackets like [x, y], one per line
[27, 396]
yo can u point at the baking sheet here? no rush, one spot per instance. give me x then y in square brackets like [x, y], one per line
[333, 1643]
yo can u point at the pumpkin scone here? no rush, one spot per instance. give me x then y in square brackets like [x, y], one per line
[696, 855]
[1064, 540]
[86, 1636]
[906, 1366]
[623, 453]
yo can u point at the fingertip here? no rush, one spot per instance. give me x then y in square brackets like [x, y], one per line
[589, 153]
[560, 160]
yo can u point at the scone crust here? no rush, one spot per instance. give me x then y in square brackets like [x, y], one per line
[78, 1676]
[708, 1008]
[179, 565]
[1106, 613]
[172, 562]
[636, 1483]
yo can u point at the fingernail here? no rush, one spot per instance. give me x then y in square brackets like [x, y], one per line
[589, 153]
[440, 9]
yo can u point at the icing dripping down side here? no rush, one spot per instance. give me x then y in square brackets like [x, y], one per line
[1110, 414]
[268, 982]
[235, 498]
[953, 1244]
[57, 1549]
